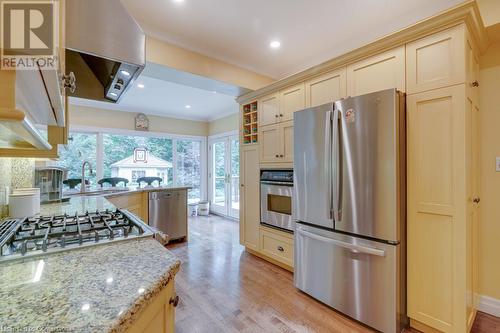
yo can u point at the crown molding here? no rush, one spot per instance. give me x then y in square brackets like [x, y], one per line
[466, 13]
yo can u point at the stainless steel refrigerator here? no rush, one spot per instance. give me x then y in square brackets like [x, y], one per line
[349, 208]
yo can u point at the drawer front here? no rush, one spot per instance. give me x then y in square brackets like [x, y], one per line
[276, 247]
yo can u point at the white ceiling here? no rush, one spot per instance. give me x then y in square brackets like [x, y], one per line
[168, 99]
[310, 31]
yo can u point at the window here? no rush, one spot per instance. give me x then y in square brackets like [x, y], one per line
[178, 161]
[81, 147]
[189, 167]
[119, 160]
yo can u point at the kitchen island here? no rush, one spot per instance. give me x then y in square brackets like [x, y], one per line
[125, 285]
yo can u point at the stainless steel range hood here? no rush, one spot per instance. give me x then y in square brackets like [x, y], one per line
[105, 48]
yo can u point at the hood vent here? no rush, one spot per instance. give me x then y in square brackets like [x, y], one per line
[105, 48]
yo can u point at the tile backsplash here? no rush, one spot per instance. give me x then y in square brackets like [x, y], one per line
[14, 173]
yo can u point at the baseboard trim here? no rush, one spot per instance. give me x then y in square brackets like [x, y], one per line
[489, 305]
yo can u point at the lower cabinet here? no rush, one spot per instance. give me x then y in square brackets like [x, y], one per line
[276, 245]
[249, 197]
[136, 203]
[159, 315]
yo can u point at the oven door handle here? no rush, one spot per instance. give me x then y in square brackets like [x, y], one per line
[268, 182]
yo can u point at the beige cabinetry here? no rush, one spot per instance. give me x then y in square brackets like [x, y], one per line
[249, 197]
[276, 145]
[159, 315]
[136, 203]
[436, 61]
[277, 245]
[269, 109]
[326, 88]
[291, 99]
[443, 190]
[382, 71]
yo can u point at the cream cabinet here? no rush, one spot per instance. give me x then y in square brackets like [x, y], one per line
[249, 197]
[382, 71]
[442, 209]
[291, 99]
[269, 110]
[159, 315]
[436, 61]
[277, 245]
[326, 88]
[276, 143]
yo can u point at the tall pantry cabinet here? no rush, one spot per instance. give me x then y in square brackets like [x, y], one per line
[443, 192]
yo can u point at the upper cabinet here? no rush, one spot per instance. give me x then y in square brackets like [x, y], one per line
[269, 110]
[326, 88]
[291, 100]
[436, 61]
[382, 71]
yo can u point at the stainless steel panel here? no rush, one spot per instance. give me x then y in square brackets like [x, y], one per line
[369, 175]
[165, 213]
[312, 166]
[270, 217]
[358, 277]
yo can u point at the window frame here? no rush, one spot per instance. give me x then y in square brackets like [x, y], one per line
[101, 131]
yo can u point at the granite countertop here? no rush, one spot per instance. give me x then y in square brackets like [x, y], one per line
[101, 288]
[81, 204]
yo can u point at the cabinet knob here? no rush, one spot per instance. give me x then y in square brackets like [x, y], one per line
[281, 115]
[242, 185]
[174, 301]
[277, 156]
[281, 249]
[276, 116]
[476, 200]
[282, 156]
[475, 84]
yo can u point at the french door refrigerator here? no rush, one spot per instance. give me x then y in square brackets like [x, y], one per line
[349, 209]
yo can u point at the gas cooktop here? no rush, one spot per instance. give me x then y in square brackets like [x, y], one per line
[39, 235]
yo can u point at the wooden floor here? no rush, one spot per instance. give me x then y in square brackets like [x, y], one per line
[222, 288]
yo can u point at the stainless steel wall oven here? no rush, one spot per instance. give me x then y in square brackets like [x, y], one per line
[276, 198]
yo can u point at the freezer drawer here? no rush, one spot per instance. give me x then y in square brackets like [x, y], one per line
[358, 277]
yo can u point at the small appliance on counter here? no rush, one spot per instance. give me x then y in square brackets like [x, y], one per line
[50, 182]
[276, 198]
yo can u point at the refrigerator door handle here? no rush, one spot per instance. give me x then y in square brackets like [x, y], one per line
[352, 247]
[336, 177]
[328, 168]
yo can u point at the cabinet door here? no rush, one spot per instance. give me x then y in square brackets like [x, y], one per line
[326, 88]
[436, 214]
[472, 71]
[270, 145]
[379, 72]
[269, 110]
[286, 136]
[249, 197]
[436, 61]
[291, 100]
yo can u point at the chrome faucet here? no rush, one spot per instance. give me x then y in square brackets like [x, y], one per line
[82, 186]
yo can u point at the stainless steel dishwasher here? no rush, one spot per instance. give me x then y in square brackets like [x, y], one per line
[168, 213]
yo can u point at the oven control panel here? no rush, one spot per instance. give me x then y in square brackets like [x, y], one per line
[277, 175]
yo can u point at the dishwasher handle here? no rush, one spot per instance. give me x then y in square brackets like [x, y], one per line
[160, 195]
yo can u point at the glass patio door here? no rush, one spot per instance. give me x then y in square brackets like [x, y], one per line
[224, 176]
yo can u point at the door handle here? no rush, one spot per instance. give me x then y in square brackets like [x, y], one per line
[336, 165]
[349, 246]
[476, 200]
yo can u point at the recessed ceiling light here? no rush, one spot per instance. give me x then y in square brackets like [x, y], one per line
[178, 1]
[275, 44]
[140, 85]
[214, 92]
[125, 73]
[188, 106]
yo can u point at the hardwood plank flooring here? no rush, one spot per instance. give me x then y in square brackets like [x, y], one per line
[222, 288]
